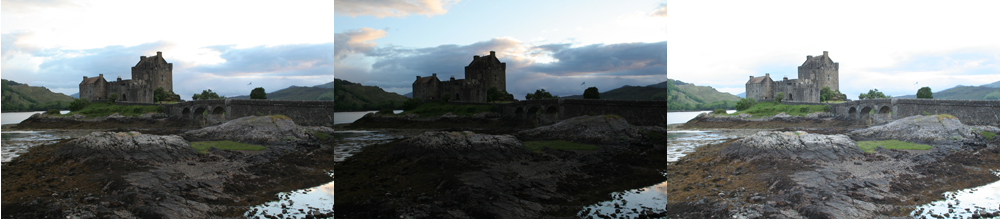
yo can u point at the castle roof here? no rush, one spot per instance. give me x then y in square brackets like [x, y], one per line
[152, 60]
[758, 80]
[92, 80]
[489, 60]
[818, 60]
[424, 80]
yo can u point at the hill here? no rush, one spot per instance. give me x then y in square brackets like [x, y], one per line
[18, 97]
[356, 97]
[681, 96]
[965, 93]
[348, 96]
[993, 85]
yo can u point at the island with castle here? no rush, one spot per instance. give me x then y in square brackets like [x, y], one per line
[814, 74]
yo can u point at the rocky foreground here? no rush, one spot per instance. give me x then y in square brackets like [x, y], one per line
[156, 173]
[474, 175]
[806, 175]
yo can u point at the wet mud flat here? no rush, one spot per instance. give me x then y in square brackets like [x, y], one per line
[712, 183]
[62, 181]
[62, 123]
[498, 179]
[774, 123]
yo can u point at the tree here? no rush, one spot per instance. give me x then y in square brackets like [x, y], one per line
[539, 94]
[78, 104]
[112, 97]
[258, 93]
[872, 94]
[825, 94]
[591, 93]
[925, 92]
[159, 94]
[778, 97]
[207, 95]
[745, 103]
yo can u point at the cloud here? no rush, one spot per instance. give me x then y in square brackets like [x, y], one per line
[355, 41]
[558, 68]
[392, 8]
[660, 11]
[23, 6]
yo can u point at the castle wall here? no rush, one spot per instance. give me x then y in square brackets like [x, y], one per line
[209, 112]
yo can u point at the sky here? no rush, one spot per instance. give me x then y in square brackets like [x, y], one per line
[229, 47]
[563, 47]
[896, 47]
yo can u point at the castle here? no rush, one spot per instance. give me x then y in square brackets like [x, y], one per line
[147, 75]
[817, 72]
[482, 74]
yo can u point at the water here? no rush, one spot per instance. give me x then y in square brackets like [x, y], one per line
[14, 143]
[984, 198]
[17, 117]
[298, 203]
[630, 203]
[350, 117]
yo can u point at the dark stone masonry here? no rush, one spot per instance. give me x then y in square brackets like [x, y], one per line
[303, 112]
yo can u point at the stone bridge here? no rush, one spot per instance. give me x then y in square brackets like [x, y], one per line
[636, 112]
[879, 111]
[210, 112]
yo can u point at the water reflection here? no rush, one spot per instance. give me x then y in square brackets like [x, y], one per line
[963, 203]
[18, 142]
[681, 143]
[630, 203]
[353, 141]
[315, 201]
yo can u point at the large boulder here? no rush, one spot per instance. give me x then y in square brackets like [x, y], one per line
[793, 145]
[464, 146]
[265, 130]
[934, 129]
[128, 146]
[606, 129]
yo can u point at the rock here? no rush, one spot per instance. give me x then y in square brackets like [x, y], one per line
[935, 129]
[128, 146]
[606, 129]
[265, 130]
[466, 145]
[796, 145]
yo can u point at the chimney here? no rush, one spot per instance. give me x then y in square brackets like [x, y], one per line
[492, 53]
[809, 57]
[452, 77]
[141, 58]
[767, 74]
[158, 53]
[825, 53]
[475, 57]
[434, 75]
[751, 77]
[418, 77]
[102, 75]
[84, 77]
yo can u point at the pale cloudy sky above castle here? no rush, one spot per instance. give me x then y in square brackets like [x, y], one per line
[552, 45]
[218, 45]
[895, 46]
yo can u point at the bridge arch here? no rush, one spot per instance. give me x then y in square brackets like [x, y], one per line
[865, 113]
[218, 110]
[852, 112]
[519, 112]
[199, 113]
[532, 112]
[884, 110]
[186, 112]
[552, 110]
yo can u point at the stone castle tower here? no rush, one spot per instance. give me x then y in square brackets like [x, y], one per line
[814, 74]
[147, 75]
[483, 73]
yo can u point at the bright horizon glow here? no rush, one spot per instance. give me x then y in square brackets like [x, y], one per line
[894, 46]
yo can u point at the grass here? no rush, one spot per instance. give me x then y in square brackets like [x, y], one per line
[941, 117]
[321, 135]
[536, 146]
[988, 135]
[203, 146]
[869, 146]
[105, 109]
[437, 109]
[770, 108]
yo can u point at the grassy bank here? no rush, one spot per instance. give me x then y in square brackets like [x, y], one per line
[770, 108]
[105, 109]
[869, 146]
[203, 146]
[536, 146]
[438, 109]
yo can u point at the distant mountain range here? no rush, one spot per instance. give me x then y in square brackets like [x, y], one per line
[989, 91]
[347, 96]
[681, 96]
[18, 97]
